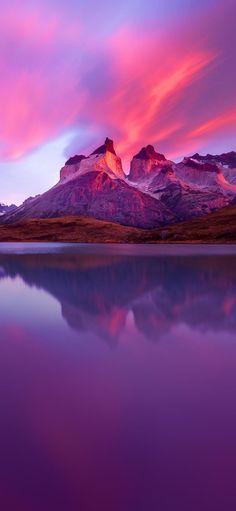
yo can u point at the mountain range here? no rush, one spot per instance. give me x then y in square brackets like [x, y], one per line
[6, 209]
[157, 192]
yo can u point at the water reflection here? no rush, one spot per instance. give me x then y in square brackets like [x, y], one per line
[117, 381]
[97, 292]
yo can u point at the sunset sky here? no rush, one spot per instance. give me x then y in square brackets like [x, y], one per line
[139, 71]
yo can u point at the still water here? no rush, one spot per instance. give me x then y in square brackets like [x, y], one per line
[117, 378]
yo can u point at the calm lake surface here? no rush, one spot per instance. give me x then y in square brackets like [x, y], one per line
[117, 378]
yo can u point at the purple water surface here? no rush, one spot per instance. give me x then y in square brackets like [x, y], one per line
[117, 378]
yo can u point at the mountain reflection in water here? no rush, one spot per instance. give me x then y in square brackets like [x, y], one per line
[117, 379]
[96, 293]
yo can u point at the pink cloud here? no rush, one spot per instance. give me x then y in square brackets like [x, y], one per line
[38, 94]
[151, 88]
[139, 85]
[149, 76]
[166, 83]
[226, 119]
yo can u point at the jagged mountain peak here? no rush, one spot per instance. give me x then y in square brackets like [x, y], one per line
[103, 159]
[156, 192]
[225, 159]
[201, 165]
[4, 208]
[149, 153]
[74, 160]
[107, 146]
[146, 164]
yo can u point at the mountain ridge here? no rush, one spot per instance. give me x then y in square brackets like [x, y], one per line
[155, 193]
[217, 227]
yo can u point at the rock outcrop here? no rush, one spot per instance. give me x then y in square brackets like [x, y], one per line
[198, 174]
[104, 159]
[146, 164]
[226, 159]
[225, 162]
[189, 189]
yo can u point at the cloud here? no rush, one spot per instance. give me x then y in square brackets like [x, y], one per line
[159, 84]
[148, 88]
[227, 119]
[166, 81]
[38, 93]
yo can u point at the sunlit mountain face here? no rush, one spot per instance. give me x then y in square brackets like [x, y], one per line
[117, 377]
[156, 72]
[156, 192]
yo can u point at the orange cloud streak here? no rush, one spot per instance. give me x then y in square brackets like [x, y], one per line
[137, 85]
[150, 76]
[226, 119]
[158, 91]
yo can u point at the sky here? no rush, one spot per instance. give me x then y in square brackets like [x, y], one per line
[141, 72]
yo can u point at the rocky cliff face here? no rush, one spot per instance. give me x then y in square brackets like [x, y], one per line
[103, 159]
[97, 195]
[225, 162]
[225, 159]
[197, 174]
[189, 189]
[146, 164]
[156, 192]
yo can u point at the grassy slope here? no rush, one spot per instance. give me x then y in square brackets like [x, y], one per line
[71, 229]
[218, 227]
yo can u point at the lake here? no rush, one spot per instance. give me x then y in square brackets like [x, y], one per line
[117, 377]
